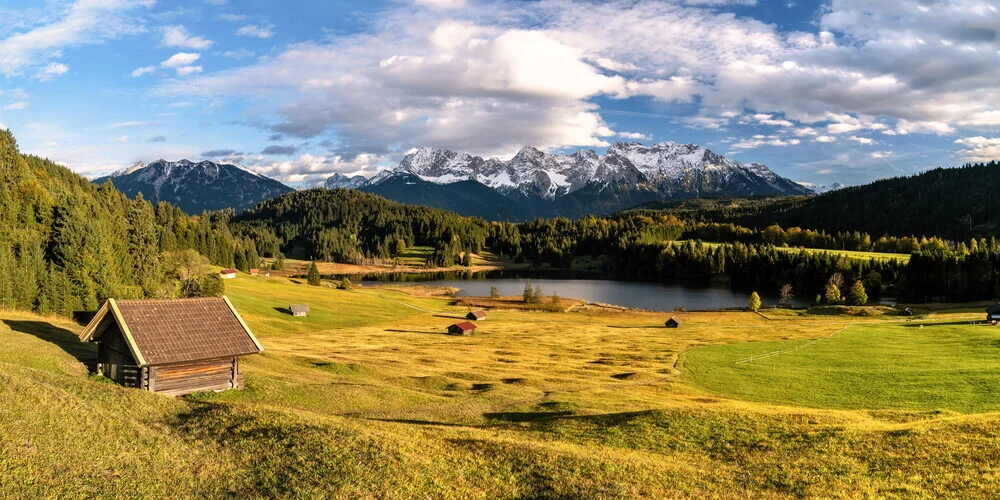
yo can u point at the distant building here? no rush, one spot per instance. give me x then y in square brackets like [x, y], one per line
[476, 315]
[228, 273]
[299, 309]
[993, 313]
[672, 323]
[173, 346]
[463, 328]
[254, 272]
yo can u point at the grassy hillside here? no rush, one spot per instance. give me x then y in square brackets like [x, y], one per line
[899, 257]
[367, 398]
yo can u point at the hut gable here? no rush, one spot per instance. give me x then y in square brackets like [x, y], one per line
[478, 314]
[174, 346]
[672, 323]
[299, 309]
[993, 313]
[462, 328]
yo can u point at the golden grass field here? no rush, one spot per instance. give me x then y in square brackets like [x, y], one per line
[367, 398]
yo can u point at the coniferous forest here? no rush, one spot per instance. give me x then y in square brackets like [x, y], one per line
[66, 245]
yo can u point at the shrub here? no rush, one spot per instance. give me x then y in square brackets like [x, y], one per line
[754, 302]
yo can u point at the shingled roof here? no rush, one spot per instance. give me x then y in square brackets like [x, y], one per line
[177, 330]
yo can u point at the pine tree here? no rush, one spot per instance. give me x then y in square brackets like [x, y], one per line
[313, 276]
[345, 284]
[529, 293]
[754, 302]
[857, 295]
[494, 293]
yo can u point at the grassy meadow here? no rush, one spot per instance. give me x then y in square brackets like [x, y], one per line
[850, 254]
[367, 398]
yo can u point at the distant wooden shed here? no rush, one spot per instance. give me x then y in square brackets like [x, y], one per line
[462, 328]
[476, 315]
[299, 309]
[672, 323]
[228, 273]
[172, 347]
[254, 272]
[993, 313]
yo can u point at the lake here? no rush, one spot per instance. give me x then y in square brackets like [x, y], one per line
[633, 294]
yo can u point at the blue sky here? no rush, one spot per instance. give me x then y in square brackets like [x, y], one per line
[837, 91]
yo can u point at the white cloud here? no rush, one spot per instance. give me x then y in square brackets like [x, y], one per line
[766, 119]
[233, 18]
[177, 36]
[441, 4]
[635, 136]
[238, 54]
[51, 71]
[879, 155]
[759, 141]
[82, 22]
[979, 149]
[825, 138]
[122, 139]
[180, 59]
[256, 31]
[143, 70]
[17, 105]
[862, 140]
[904, 127]
[188, 70]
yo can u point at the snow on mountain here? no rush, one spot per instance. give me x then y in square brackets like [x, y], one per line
[339, 180]
[195, 187]
[673, 169]
[823, 188]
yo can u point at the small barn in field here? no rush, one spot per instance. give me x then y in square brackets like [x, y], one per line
[254, 272]
[228, 273]
[993, 313]
[462, 328]
[299, 310]
[476, 315]
[173, 346]
[672, 323]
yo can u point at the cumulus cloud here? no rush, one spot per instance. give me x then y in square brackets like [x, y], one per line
[979, 149]
[635, 136]
[17, 105]
[280, 150]
[82, 22]
[50, 71]
[183, 63]
[256, 31]
[825, 138]
[177, 36]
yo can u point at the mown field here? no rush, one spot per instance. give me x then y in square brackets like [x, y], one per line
[851, 254]
[367, 398]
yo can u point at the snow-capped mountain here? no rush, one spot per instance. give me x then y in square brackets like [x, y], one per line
[823, 188]
[339, 180]
[585, 182]
[195, 187]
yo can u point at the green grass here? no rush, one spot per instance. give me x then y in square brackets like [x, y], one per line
[366, 398]
[901, 257]
[950, 366]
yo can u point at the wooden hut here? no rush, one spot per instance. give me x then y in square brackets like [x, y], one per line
[254, 271]
[462, 328]
[993, 313]
[300, 310]
[672, 323]
[173, 346]
[476, 315]
[228, 273]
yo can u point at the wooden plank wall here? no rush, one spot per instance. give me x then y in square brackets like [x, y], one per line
[115, 360]
[180, 379]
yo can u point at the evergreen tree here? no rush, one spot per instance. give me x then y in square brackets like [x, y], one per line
[832, 294]
[754, 302]
[785, 294]
[494, 293]
[529, 293]
[857, 295]
[345, 284]
[313, 276]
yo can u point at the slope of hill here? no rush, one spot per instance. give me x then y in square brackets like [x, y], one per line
[955, 203]
[468, 198]
[196, 187]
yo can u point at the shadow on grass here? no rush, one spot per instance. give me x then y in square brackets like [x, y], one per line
[625, 327]
[915, 324]
[283, 310]
[417, 331]
[527, 416]
[66, 340]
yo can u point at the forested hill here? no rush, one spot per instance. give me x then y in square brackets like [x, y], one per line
[344, 225]
[955, 203]
[66, 245]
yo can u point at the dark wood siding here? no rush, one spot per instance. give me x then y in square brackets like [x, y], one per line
[116, 361]
[198, 376]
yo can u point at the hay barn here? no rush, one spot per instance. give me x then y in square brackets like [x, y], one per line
[463, 328]
[173, 346]
[300, 310]
[672, 323]
[476, 315]
[228, 273]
